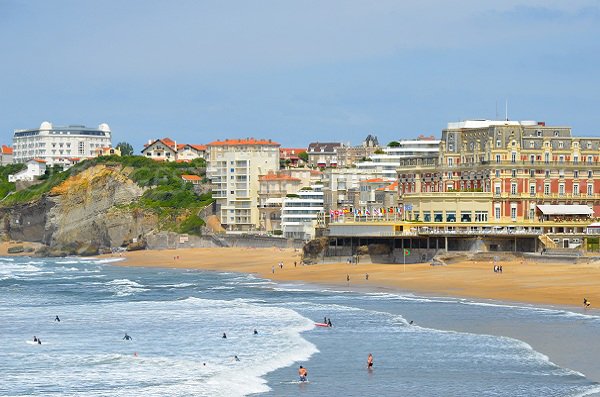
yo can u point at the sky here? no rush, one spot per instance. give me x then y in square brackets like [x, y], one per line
[296, 71]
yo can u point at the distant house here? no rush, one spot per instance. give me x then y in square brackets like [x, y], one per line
[193, 179]
[166, 149]
[6, 155]
[35, 168]
[323, 154]
[291, 154]
[108, 151]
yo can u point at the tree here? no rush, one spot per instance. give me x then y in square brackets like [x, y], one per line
[394, 144]
[125, 148]
[303, 156]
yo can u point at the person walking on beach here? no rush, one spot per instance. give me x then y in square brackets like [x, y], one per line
[367, 276]
[303, 373]
[273, 269]
[586, 303]
[370, 361]
[348, 279]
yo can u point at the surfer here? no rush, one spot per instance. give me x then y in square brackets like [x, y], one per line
[127, 337]
[303, 373]
[39, 341]
[370, 361]
[57, 319]
[236, 358]
[255, 332]
[224, 335]
[34, 338]
[329, 322]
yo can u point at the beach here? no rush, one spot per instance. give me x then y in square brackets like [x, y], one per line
[525, 281]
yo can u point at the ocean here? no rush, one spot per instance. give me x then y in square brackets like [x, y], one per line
[177, 318]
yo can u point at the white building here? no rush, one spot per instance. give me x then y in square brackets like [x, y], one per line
[35, 168]
[300, 211]
[384, 165]
[166, 149]
[233, 167]
[55, 143]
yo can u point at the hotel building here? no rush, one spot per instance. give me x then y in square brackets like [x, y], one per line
[234, 167]
[54, 144]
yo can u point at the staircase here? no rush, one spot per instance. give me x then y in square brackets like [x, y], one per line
[547, 241]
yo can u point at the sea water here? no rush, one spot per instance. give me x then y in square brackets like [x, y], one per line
[177, 319]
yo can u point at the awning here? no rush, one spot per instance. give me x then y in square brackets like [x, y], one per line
[565, 209]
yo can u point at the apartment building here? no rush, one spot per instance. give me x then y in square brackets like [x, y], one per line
[54, 144]
[234, 167]
[385, 163]
[323, 154]
[300, 213]
[273, 188]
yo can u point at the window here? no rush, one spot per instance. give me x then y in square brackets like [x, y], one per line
[589, 145]
[497, 189]
[561, 159]
[576, 174]
[497, 173]
[497, 158]
[576, 189]
[547, 173]
[539, 132]
[532, 173]
[497, 213]
[531, 144]
[589, 159]
[560, 144]
[498, 143]
[590, 189]
[590, 174]
[546, 158]
[450, 162]
[561, 189]
[513, 188]
[531, 213]
[513, 157]
[481, 216]
[514, 173]
[513, 213]
[547, 188]
[575, 159]
[532, 189]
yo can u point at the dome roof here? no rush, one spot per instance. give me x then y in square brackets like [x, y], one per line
[104, 127]
[46, 125]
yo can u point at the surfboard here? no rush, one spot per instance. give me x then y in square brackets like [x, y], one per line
[321, 325]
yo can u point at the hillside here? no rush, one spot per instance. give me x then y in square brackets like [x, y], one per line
[104, 203]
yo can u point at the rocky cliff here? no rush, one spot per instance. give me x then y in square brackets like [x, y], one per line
[86, 214]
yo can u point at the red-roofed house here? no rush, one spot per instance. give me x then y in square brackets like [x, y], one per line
[193, 179]
[35, 168]
[291, 154]
[6, 156]
[166, 149]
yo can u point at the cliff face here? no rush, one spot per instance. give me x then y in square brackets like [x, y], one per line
[84, 215]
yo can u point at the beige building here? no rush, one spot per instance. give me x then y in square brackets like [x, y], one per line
[273, 188]
[234, 167]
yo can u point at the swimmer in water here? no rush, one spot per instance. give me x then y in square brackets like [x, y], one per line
[127, 337]
[57, 319]
[255, 332]
[303, 373]
[236, 358]
[224, 335]
[370, 361]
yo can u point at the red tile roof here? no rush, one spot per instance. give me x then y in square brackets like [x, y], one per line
[199, 147]
[191, 178]
[393, 186]
[373, 180]
[7, 149]
[244, 142]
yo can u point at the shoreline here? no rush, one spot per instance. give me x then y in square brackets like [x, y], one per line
[522, 281]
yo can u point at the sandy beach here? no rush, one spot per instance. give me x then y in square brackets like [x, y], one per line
[521, 281]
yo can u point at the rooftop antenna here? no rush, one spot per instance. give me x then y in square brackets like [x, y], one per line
[496, 110]
[506, 109]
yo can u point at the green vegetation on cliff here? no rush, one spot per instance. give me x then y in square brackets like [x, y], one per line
[6, 186]
[174, 200]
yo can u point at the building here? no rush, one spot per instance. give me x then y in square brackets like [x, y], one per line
[108, 151]
[166, 149]
[193, 179]
[273, 188]
[54, 143]
[323, 154]
[6, 155]
[385, 162]
[300, 213]
[505, 173]
[341, 187]
[348, 155]
[234, 167]
[289, 157]
[35, 168]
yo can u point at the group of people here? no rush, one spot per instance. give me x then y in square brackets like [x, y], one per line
[327, 321]
[303, 372]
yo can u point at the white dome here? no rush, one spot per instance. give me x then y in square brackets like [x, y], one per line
[104, 127]
[46, 125]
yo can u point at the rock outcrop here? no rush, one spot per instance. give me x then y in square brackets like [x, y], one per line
[86, 214]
